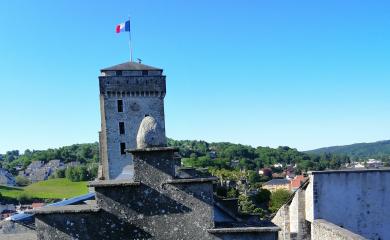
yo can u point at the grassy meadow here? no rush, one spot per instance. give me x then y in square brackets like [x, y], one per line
[58, 188]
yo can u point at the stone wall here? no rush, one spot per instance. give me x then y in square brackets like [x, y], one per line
[141, 95]
[291, 219]
[355, 200]
[282, 220]
[322, 229]
[309, 201]
[11, 230]
[246, 236]
[85, 225]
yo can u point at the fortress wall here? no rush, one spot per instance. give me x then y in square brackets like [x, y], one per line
[282, 220]
[134, 110]
[355, 200]
[322, 229]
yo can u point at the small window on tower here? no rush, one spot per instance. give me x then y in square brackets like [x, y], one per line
[120, 106]
[121, 128]
[123, 147]
[144, 72]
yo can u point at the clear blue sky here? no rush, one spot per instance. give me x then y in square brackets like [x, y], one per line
[305, 74]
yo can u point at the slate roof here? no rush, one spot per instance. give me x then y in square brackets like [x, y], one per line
[78, 199]
[130, 66]
[277, 182]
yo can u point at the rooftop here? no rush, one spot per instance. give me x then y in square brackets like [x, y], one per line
[351, 170]
[130, 66]
[277, 182]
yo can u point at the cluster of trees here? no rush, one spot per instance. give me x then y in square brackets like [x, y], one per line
[78, 173]
[360, 151]
[263, 201]
[278, 198]
[227, 160]
[236, 156]
[83, 153]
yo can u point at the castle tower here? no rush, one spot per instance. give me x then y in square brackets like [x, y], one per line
[128, 92]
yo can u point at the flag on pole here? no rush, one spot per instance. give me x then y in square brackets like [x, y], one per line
[123, 27]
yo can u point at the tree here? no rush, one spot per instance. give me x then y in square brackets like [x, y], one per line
[71, 174]
[263, 196]
[253, 177]
[22, 181]
[278, 199]
[60, 173]
[232, 193]
[80, 173]
[245, 204]
[83, 173]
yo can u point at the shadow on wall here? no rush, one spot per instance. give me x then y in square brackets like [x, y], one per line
[142, 200]
[90, 226]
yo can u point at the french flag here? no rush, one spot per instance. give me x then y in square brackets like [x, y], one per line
[123, 27]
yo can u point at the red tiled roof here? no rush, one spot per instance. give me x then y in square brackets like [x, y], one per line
[37, 205]
[297, 181]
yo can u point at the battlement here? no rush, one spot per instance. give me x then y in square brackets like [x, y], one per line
[131, 73]
[132, 85]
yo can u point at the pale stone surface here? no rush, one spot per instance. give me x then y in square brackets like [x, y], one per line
[348, 202]
[150, 134]
[282, 220]
[356, 200]
[322, 229]
[140, 95]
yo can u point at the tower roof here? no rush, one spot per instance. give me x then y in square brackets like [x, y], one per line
[130, 66]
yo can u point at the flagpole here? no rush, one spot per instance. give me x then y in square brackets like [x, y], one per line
[131, 49]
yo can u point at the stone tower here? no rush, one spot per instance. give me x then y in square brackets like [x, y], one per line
[128, 92]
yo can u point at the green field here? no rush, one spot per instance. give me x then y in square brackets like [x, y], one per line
[58, 188]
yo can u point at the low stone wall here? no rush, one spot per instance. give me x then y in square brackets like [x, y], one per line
[14, 231]
[323, 230]
[357, 200]
[245, 233]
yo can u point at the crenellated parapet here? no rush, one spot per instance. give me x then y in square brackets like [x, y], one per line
[132, 84]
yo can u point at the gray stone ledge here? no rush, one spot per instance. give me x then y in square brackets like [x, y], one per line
[113, 183]
[243, 230]
[66, 209]
[152, 149]
[334, 230]
[191, 180]
[362, 170]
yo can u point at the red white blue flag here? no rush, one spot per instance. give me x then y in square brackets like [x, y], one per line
[123, 27]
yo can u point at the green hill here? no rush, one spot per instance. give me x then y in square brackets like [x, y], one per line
[377, 150]
[58, 188]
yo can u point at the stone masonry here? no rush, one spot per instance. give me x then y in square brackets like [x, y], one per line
[128, 92]
[156, 205]
[162, 200]
[339, 204]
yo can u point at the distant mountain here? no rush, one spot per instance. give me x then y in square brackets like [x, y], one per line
[378, 150]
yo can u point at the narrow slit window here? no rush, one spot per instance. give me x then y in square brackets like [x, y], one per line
[123, 147]
[120, 105]
[121, 128]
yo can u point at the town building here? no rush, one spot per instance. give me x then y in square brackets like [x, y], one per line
[296, 182]
[265, 172]
[41, 171]
[344, 204]
[276, 184]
